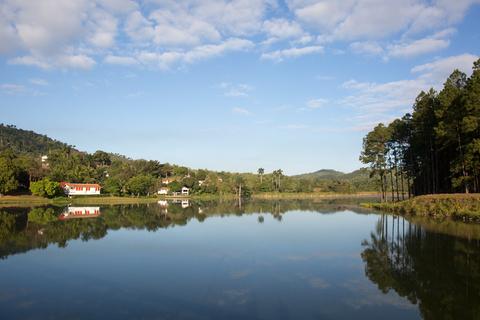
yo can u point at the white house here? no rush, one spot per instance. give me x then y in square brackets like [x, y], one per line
[185, 191]
[44, 160]
[163, 191]
[80, 189]
[167, 181]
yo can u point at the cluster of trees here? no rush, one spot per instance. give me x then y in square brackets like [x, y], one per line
[22, 169]
[436, 149]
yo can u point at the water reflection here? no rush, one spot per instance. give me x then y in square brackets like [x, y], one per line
[79, 213]
[429, 266]
[22, 229]
[260, 259]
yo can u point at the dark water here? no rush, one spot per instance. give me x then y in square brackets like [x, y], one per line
[265, 260]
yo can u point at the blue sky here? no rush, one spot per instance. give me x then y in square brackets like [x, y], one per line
[226, 85]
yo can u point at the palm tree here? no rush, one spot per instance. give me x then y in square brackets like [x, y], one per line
[279, 176]
[261, 171]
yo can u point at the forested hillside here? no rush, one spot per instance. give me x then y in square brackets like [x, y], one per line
[322, 174]
[21, 164]
[436, 149]
[23, 141]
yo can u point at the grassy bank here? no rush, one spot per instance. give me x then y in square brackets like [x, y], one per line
[312, 195]
[457, 206]
[31, 201]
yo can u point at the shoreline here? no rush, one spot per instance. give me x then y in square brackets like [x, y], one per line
[32, 201]
[457, 206]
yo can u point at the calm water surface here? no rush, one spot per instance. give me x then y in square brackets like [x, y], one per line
[263, 260]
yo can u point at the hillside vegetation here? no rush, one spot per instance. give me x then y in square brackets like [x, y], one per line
[457, 206]
[28, 142]
[21, 164]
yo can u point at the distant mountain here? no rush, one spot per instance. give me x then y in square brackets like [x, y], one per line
[321, 174]
[25, 141]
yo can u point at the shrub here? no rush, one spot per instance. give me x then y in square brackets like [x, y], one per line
[46, 188]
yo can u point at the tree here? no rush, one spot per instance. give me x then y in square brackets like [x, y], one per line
[102, 158]
[9, 172]
[261, 171]
[140, 185]
[437, 147]
[374, 153]
[113, 186]
[46, 188]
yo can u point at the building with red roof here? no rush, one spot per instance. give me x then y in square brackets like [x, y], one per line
[80, 189]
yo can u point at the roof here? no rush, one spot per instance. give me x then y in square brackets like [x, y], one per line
[95, 185]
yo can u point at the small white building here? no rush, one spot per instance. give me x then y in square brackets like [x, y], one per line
[44, 160]
[185, 191]
[163, 191]
[167, 181]
[80, 189]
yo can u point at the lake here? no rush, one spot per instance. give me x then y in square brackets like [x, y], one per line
[224, 260]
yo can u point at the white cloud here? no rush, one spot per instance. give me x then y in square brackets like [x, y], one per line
[75, 34]
[417, 47]
[38, 82]
[436, 72]
[235, 90]
[378, 102]
[316, 103]
[279, 28]
[63, 61]
[104, 26]
[377, 19]
[241, 111]
[12, 88]
[366, 47]
[280, 55]
[120, 60]
[168, 59]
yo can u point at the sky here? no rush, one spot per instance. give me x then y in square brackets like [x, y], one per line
[227, 84]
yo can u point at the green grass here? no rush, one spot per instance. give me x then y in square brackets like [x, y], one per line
[30, 201]
[312, 195]
[457, 206]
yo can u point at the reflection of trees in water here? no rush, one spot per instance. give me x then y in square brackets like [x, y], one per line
[436, 270]
[25, 229]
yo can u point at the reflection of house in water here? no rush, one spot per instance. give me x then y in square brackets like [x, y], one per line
[163, 203]
[185, 203]
[80, 212]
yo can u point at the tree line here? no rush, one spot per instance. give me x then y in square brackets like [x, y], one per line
[434, 149]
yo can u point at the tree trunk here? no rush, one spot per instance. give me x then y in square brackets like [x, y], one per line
[402, 183]
[464, 169]
[391, 185]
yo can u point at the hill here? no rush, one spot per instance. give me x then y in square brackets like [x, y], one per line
[27, 142]
[358, 180]
[321, 174]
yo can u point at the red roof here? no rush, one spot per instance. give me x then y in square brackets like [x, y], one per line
[91, 185]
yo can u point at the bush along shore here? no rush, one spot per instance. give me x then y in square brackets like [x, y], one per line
[464, 207]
